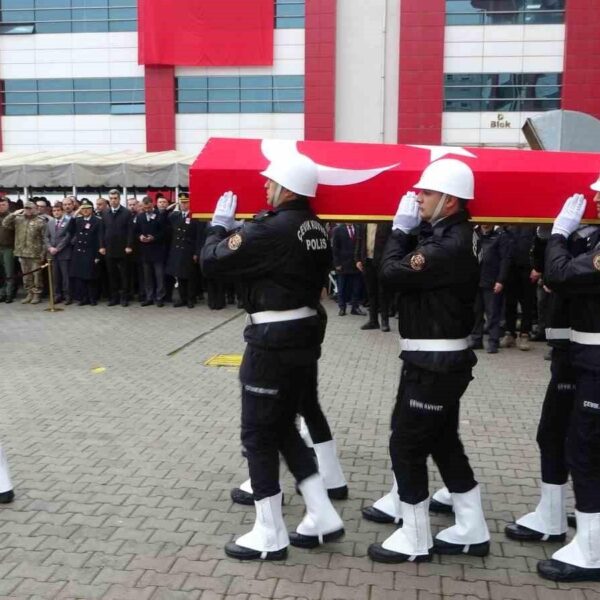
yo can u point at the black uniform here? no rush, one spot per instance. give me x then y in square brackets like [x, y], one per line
[578, 278]
[86, 238]
[437, 283]
[493, 254]
[117, 233]
[281, 259]
[152, 254]
[180, 264]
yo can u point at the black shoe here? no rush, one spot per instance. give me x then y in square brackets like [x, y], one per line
[342, 312]
[440, 547]
[557, 570]
[112, 302]
[58, 299]
[68, 301]
[146, 303]
[234, 551]
[492, 350]
[190, 304]
[160, 304]
[385, 325]
[357, 311]
[9, 299]
[83, 303]
[370, 325]
[3, 298]
[179, 304]
[93, 303]
[124, 303]
[312, 541]
[571, 520]
[239, 496]
[378, 553]
[7, 497]
[476, 346]
[339, 493]
[514, 531]
[370, 513]
[440, 507]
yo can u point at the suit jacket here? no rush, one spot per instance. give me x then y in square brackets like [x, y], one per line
[117, 232]
[154, 224]
[58, 238]
[381, 236]
[343, 248]
[86, 237]
[184, 246]
[493, 254]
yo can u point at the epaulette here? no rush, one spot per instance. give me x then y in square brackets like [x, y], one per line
[262, 215]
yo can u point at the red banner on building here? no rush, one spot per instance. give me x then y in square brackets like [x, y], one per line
[205, 32]
[364, 182]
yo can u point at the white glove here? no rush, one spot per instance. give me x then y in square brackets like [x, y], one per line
[407, 216]
[569, 218]
[225, 211]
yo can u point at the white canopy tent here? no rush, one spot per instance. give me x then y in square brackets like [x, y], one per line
[88, 169]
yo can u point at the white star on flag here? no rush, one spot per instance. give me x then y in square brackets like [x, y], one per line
[439, 151]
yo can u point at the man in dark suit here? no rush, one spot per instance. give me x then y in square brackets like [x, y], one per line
[58, 246]
[116, 245]
[343, 245]
[86, 236]
[370, 242]
[182, 254]
[150, 231]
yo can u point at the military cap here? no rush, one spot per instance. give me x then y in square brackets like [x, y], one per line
[184, 197]
[29, 204]
[85, 203]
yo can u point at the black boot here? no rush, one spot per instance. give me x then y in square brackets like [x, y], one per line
[385, 323]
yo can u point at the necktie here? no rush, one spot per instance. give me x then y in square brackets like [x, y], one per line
[57, 226]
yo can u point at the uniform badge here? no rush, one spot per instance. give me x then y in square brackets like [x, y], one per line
[234, 242]
[596, 261]
[417, 262]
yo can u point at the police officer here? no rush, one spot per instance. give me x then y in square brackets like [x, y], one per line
[281, 259]
[548, 522]
[86, 236]
[437, 283]
[579, 277]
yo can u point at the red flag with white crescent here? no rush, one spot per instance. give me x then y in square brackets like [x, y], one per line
[364, 182]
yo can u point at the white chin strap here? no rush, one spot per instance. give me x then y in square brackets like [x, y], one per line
[439, 208]
[275, 201]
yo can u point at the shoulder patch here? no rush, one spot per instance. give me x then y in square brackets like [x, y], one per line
[596, 261]
[234, 241]
[417, 261]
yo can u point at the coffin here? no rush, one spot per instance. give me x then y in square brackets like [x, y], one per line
[364, 182]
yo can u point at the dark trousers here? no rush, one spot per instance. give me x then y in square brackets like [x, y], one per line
[118, 277]
[154, 280]
[349, 289]
[424, 423]
[60, 273]
[310, 408]
[215, 290]
[379, 297]
[489, 305]
[186, 288]
[583, 441]
[272, 393]
[555, 419]
[85, 289]
[519, 290]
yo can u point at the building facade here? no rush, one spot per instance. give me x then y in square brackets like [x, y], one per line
[461, 72]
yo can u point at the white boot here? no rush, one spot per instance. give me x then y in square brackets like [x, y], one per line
[5, 482]
[550, 516]
[469, 534]
[268, 539]
[329, 466]
[321, 523]
[387, 509]
[584, 549]
[411, 542]
[441, 501]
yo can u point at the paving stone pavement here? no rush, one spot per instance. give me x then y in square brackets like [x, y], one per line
[122, 476]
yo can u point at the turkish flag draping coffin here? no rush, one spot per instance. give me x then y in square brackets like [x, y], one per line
[364, 182]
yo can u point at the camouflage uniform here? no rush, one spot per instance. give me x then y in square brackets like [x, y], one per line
[30, 250]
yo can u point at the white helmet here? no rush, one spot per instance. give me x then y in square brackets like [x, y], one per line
[596, 185]
[448, 176]
[294, 172]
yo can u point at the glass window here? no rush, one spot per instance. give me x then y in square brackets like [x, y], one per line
[507, 92]
[504, 12]
[289, 14]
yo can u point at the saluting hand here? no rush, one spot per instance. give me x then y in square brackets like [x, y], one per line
[225, 211]
[407, 216]
[570, 216]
